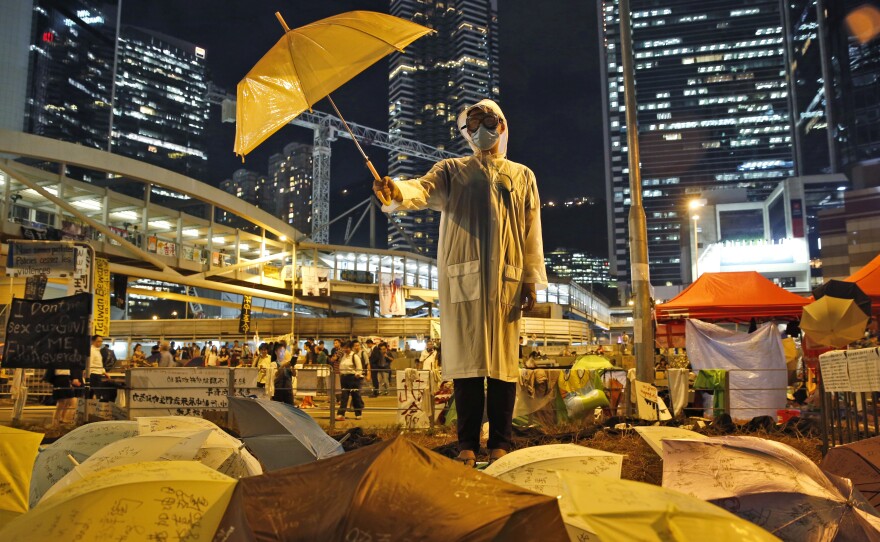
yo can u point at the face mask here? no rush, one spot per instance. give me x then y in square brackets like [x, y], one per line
[484, 138]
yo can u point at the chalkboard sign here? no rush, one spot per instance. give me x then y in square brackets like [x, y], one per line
[52, 333]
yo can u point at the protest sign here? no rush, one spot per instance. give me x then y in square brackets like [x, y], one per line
[48, 334]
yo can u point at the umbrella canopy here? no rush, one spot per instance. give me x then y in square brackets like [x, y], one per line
[833, 321]
[280, 435]
[53, 462]
[169, 500]
[860, 462]
[310, 62]
[844, 290]
[160, 446]
[220, 451]
[377, 489]
[18, 451]
[771, 485]
[518, 467]
[622, 511]
[868, 279]
[654, 435]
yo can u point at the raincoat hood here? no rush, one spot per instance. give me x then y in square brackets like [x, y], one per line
[490, 104]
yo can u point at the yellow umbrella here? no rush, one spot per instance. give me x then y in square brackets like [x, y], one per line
[622, 511]
[654, 435]
[834, 321]
[168, 500]
[309, 63]
[18, 450]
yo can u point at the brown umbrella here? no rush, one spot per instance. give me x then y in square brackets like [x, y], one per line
[860, 462]
[393, 490]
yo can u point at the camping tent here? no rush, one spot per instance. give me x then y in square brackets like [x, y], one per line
[868, 279]
[732, 297]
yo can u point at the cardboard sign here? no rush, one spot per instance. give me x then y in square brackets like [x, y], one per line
[649, 403]
[49, 334]
[28, 258]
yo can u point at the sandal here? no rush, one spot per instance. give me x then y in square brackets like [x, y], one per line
[467, 458]
[496, 454]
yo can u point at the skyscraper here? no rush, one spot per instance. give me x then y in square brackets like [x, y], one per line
[246, 185]
[429, 84]
[713, 110]
[290, 175]
[161, 106]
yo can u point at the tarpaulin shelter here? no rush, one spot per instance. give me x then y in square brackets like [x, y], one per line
[393, 490]
[868, 279]
[732, 297]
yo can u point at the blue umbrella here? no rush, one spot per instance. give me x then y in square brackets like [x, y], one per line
[280, 435]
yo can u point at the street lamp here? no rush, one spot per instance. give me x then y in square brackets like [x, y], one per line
[174, 314]
[695, 204]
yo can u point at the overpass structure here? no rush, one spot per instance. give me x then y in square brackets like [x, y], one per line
[154, 224]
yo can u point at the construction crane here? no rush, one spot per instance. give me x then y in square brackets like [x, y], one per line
[327, 129]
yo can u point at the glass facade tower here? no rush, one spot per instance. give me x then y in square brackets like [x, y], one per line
[713, 110]
[430, 83]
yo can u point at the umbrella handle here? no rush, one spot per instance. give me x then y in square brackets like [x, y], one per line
[377, 177]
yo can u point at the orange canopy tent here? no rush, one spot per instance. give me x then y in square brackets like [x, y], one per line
[732, 297]
[868, 279]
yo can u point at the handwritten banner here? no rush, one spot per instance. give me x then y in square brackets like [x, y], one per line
[184, 391]
[244, 319]
[102, 297]
[48, 334]
[851, 370]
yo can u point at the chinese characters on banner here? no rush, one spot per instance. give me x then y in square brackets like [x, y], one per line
[391, 302]
[102, 297]
[244, 320]
[315, 281]
[82, 272]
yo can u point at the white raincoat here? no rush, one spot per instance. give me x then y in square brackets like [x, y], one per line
[490, 244]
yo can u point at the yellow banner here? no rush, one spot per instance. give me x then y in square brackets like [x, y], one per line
[102, 297]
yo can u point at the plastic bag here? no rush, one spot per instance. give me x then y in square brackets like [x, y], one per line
[582, 392]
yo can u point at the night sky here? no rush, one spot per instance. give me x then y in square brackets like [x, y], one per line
[550, 89]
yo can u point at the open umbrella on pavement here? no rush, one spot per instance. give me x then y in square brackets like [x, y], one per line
[772, 485]
[54, 462]
[860, 462]
[842, 289]
[834, 321]
[18, 451]
[623, 511]
[654, 435]
[393, 490]
[168, 500]
[310, 62]
[280, 435]
[518, 467]
[159, 446]
[220, 451]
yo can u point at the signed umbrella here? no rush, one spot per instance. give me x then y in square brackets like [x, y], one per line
[18, 450]
[167, 500]
[834, 321]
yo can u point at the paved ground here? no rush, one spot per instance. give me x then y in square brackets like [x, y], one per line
[379, 412]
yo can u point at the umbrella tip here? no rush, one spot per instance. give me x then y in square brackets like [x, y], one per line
[281, 20]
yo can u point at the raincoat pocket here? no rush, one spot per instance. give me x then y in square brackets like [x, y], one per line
[464, 281]
[510, 285]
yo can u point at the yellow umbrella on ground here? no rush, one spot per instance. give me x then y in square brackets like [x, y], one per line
[168, 500]
[310, 62]
[516, 466]
[622, 511]
[834, 321]
[18, 450]
[160, 446]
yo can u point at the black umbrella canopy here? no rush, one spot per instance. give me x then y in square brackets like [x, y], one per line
[844, 290]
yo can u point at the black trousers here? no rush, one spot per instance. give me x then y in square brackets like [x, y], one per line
[351, 387]
[471, 398]
[103, 388]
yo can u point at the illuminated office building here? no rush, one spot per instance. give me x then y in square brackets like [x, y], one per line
[290, 173]
[428, 85]
[583, 268]
[713, 109]
[161, 108]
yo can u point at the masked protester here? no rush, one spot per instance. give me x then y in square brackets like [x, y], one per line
[490, 259]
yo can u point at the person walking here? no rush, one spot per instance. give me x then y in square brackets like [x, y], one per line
[490, 263]
[351, 373]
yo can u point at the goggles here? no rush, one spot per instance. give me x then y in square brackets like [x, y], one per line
[478, 117]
